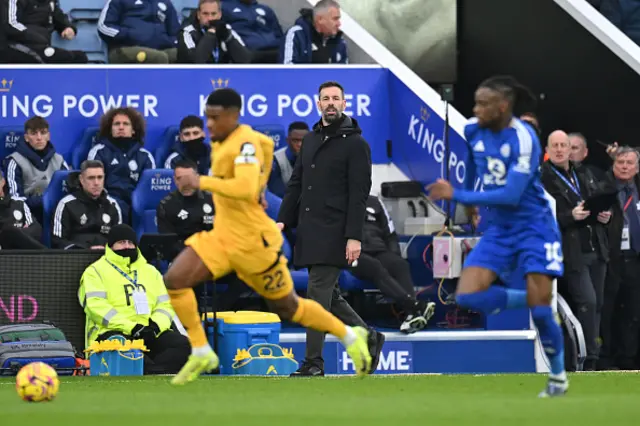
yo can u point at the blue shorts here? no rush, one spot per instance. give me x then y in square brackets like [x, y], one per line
[533, 247]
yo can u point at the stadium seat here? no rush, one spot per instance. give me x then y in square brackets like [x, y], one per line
[9, 137]
[170, 136]
[275, 132]
[82, 10]
[185, 7]
[349, 282]
[82, 148]
[153, 186]
[86, 40]
[56, 190]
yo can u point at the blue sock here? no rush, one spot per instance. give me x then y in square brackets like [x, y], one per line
[551, 337]
[493, 300]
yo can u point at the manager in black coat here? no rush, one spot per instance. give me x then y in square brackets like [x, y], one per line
[326, 200]
[584, 238]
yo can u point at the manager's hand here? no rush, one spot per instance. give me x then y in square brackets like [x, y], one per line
[354, 247]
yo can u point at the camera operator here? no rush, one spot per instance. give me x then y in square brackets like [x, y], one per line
[206, 39]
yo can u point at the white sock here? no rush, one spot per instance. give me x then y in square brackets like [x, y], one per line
[561, 377]
[350, 338]
[202, 350]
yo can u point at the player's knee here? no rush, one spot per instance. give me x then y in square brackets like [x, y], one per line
[286, 308]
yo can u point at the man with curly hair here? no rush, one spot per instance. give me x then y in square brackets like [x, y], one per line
[121, 151]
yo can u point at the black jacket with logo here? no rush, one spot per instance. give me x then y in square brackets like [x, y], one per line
[197, 46]
[31, 22]
[327, 194]
[185, 216]
[379, 234]
[14, 212]
[80, 221]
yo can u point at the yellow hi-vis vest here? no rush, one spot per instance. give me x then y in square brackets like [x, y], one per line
[106, 295]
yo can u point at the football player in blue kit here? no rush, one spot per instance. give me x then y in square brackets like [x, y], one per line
[522, 233]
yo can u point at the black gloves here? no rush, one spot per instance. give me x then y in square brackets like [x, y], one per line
[222, 31]
[147, 333]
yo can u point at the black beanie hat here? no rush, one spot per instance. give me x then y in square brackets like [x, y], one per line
[122, 233]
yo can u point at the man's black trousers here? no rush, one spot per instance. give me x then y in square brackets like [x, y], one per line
[21, 54]
[621, 314]
[391, 275]
[323, 288]
[167, 353]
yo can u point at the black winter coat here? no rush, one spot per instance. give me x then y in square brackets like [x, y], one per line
[327, 194]
[576, 234]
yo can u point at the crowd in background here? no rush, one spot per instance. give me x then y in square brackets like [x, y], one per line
[155, 32]
[624, 14]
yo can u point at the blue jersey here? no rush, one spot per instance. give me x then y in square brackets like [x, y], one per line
[522, 234]
[507, 164]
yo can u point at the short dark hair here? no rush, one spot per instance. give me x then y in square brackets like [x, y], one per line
[328, 84]
[137, 122]
[185, 163]
[91, 164]
[225, 98]
[201, 2]
[298, 125]
[36, 123]
[191, 121]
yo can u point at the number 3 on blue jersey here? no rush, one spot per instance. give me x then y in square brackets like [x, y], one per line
[504, 162]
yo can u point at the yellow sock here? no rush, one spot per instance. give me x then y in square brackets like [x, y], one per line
[311, 315]
[186, 307]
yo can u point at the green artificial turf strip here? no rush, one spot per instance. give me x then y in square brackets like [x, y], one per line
[593, 399]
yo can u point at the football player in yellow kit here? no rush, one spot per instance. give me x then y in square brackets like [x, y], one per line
[244, 240]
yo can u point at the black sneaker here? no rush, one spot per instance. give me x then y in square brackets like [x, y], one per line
[308, 370]
[375, 343]
[418, 320]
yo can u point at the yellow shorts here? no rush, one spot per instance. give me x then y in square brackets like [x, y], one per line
[264, 269]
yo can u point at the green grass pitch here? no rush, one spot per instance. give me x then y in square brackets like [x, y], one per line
[593, 399]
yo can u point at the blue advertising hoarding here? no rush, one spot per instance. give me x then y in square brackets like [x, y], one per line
[72, 99]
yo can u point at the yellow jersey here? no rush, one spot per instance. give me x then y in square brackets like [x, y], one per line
[241, 165]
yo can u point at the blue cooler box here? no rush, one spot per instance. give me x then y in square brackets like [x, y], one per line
[117, 363]
[253, 338]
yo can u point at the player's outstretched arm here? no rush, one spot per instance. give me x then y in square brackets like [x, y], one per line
[267, 145]
[245, 185]
[510, 194]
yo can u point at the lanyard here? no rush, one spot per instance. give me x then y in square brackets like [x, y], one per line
[133, 281]
[576, 188]
[626, 205]
[216, 54]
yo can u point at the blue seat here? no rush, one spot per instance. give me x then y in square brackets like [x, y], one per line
[87, 40]
[275, 132]
[56, 190]
[349, 282]
[153, 186]
[185, 7]
[83, 146]
[170, 136]
[82, 10]
[9, 137]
